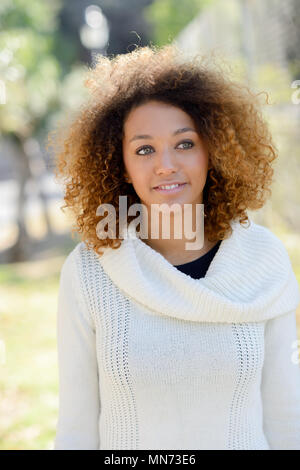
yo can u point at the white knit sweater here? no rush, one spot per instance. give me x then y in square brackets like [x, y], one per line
[150, 358]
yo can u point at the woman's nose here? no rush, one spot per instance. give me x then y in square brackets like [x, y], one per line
[165, 162]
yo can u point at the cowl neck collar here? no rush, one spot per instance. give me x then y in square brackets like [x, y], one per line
[250, 279]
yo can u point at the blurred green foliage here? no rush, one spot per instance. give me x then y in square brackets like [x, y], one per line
[35, 80]
[169, 17]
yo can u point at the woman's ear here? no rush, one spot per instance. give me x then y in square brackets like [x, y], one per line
[127, 179]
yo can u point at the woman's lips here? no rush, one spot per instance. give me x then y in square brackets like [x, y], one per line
[173, 190]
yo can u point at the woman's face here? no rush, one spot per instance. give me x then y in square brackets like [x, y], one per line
[161, 146]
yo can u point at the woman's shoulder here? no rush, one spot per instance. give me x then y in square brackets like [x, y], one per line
[81, 255]
[71, 268]
[81, 266]
[81, 272]
[264, 243]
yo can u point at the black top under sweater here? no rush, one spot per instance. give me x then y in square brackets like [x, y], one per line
[199, 266]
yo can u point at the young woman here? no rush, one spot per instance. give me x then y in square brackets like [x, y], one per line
[159, 346]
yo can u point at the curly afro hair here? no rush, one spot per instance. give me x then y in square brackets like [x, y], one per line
[88, 150]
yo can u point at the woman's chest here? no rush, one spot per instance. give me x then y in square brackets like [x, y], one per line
[151, 347]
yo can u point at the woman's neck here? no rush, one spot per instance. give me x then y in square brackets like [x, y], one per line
[175, 251]
[182, 248]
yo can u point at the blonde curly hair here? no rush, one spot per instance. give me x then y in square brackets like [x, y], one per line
[88, 151]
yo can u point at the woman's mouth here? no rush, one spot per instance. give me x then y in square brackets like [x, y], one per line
[172, 188]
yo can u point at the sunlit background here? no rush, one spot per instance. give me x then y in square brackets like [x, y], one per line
[45, 48]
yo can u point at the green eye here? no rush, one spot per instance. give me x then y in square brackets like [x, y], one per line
[142, 148]
[149, 146]
[187, 142]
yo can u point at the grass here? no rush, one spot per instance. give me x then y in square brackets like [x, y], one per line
[29, 371]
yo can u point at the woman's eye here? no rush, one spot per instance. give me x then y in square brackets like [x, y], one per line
[187, 142]
[148, 146]
[143, 148]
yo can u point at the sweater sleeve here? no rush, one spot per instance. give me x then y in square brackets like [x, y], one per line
[79, 401]
[280, 384]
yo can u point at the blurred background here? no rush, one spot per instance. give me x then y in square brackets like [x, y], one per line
[45, 49]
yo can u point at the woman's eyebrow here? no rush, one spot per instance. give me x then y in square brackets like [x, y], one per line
[178, 131]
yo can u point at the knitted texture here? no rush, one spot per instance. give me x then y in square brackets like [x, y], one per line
[150, 358]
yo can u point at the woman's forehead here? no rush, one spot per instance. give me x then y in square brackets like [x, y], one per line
[151, 117]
